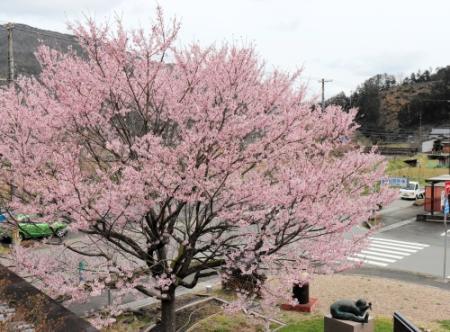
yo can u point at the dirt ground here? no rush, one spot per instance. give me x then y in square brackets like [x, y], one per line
[422, 305]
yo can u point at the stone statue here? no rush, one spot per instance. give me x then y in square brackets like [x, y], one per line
[349, 310]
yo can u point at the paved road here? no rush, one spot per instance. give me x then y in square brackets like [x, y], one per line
[430, 259]
[406, 245]
[398, 211]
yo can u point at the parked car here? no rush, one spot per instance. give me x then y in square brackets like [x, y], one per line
[412, 191]
[29, 229]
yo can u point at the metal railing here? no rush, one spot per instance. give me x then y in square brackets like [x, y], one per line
[401, 324]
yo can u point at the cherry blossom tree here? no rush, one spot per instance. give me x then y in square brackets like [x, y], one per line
[175, 164]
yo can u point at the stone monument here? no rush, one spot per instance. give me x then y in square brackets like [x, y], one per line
[349, 316]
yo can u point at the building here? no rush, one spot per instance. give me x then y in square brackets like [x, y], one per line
[439, 132]
[440, 151]
[433, 192]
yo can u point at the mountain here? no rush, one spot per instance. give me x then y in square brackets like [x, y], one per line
[26, 40]
[398, 98]
[393, 110]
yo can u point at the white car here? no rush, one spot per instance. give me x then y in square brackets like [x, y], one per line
[412, 191]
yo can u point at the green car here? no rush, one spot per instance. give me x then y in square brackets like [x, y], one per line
[32, 230]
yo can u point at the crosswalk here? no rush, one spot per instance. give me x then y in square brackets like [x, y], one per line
[382, 252]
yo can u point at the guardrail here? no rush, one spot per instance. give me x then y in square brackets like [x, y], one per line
[395, 151]
[401, 324]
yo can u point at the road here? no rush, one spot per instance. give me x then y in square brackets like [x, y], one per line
[415, 247]
[398, 211]
[407, 245]
[403, 244]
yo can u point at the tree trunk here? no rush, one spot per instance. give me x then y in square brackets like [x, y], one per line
[168, 313]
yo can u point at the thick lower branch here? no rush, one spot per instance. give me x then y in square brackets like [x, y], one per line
[197, 276]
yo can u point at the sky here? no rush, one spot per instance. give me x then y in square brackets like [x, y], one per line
[344, 41]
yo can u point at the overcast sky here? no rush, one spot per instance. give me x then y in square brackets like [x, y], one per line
[346, 41]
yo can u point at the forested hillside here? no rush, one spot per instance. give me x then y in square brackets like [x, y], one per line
[26, 40]
[388, 106]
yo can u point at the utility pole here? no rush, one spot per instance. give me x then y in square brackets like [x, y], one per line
[420, 130]
[446, 211]
[323, 81]
[9, 27]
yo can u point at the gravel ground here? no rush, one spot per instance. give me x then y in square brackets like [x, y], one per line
[422, 305]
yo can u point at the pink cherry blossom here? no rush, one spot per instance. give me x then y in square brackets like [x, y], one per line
[178, 163]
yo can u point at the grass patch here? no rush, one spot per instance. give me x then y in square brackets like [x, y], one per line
[223, 294]
[4, 250]
[427, 168]
[227, 323]
[307, 325]
[128, 323]
[315, 324]
[296, 323]
[445, 324]
[383, 324]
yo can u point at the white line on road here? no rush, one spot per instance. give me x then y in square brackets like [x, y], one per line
[389, 251]
[382, 246]
[399, 242]
[396, 244]
[387, 260]
[381, 252]
[370, 252]
[366, 261]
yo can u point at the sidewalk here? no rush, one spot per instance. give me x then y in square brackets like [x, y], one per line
[134, 302]
[405, 276]
[201, 286]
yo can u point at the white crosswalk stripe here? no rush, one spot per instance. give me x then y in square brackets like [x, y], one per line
[366, 261]
[382, 252]
[397, 249]
[375, 253]
[417, 244]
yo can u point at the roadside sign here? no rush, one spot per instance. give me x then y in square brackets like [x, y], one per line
[443, 195]
[395, 182]
[384, 182]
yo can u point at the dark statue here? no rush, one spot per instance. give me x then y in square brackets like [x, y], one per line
[301, 293]
[349, 310]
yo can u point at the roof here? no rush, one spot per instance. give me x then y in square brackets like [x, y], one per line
[438, 131]
[440, 178]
